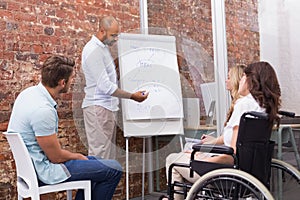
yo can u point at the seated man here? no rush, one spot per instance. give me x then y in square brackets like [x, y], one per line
[34, 116]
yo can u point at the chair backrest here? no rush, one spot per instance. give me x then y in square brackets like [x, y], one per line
[26, 175]
[254, 148]
[254, 127]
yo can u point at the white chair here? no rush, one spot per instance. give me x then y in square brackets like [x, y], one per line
[27, 182]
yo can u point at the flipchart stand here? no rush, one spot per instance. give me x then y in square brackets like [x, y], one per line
[149, 62]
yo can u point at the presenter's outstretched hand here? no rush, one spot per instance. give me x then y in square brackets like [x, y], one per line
[139, 96]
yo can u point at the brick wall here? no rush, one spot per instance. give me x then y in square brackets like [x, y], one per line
[242, 31]
[32, 30]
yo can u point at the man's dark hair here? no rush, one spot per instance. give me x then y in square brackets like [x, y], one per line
[56, 68]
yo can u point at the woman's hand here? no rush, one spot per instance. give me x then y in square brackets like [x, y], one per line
[208, 139]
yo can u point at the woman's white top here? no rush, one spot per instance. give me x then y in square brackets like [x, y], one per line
[242, 105]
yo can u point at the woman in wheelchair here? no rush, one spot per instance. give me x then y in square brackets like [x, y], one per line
[260, 92]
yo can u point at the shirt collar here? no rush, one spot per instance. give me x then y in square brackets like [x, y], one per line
[47, 94]
[98, 42]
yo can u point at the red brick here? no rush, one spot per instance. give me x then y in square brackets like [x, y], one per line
[37, 48]
[14, 6]
[6, 14]
[43, 20]
[24, 17]
[3, 126]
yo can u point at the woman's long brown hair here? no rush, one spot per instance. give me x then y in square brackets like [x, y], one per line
[264, 87]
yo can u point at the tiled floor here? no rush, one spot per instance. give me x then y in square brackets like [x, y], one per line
[153, 196]
[287, 157]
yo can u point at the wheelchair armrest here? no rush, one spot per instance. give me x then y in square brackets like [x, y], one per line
[286, 113]
[211, 148]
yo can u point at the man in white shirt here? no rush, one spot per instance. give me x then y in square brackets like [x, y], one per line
[101, 90]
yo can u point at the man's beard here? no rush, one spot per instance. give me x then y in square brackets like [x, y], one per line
[64, 90]
[109, 42]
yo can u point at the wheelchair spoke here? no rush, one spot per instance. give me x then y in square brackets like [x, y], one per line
[227, 187]
[285, 182]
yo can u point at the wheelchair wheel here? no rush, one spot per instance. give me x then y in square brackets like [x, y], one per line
[228, 184]
[285, 181]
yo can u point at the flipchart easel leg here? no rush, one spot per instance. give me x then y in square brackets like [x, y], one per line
[127, 169]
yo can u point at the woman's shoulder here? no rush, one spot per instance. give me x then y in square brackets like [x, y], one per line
[244, 99]
[248, 103]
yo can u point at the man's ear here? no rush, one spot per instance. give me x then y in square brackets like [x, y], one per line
[102, 30]
[62, 82]
[101, 33]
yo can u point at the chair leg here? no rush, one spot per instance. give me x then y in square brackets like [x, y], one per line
[69, 194]
[279, 140]
[292, 138]
[34, 197]
[87, 194]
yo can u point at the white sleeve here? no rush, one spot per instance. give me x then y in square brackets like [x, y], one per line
[98, 74]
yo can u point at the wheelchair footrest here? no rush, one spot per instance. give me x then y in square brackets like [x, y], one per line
[178, 184]
[185, 187]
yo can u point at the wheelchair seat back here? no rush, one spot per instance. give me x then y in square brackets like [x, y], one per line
[254, 148]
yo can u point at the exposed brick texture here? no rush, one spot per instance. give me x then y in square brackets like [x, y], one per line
[34, 29]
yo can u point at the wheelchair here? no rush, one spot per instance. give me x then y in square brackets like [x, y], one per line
[254, 174]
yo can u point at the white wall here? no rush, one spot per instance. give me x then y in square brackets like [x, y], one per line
[279, 23]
